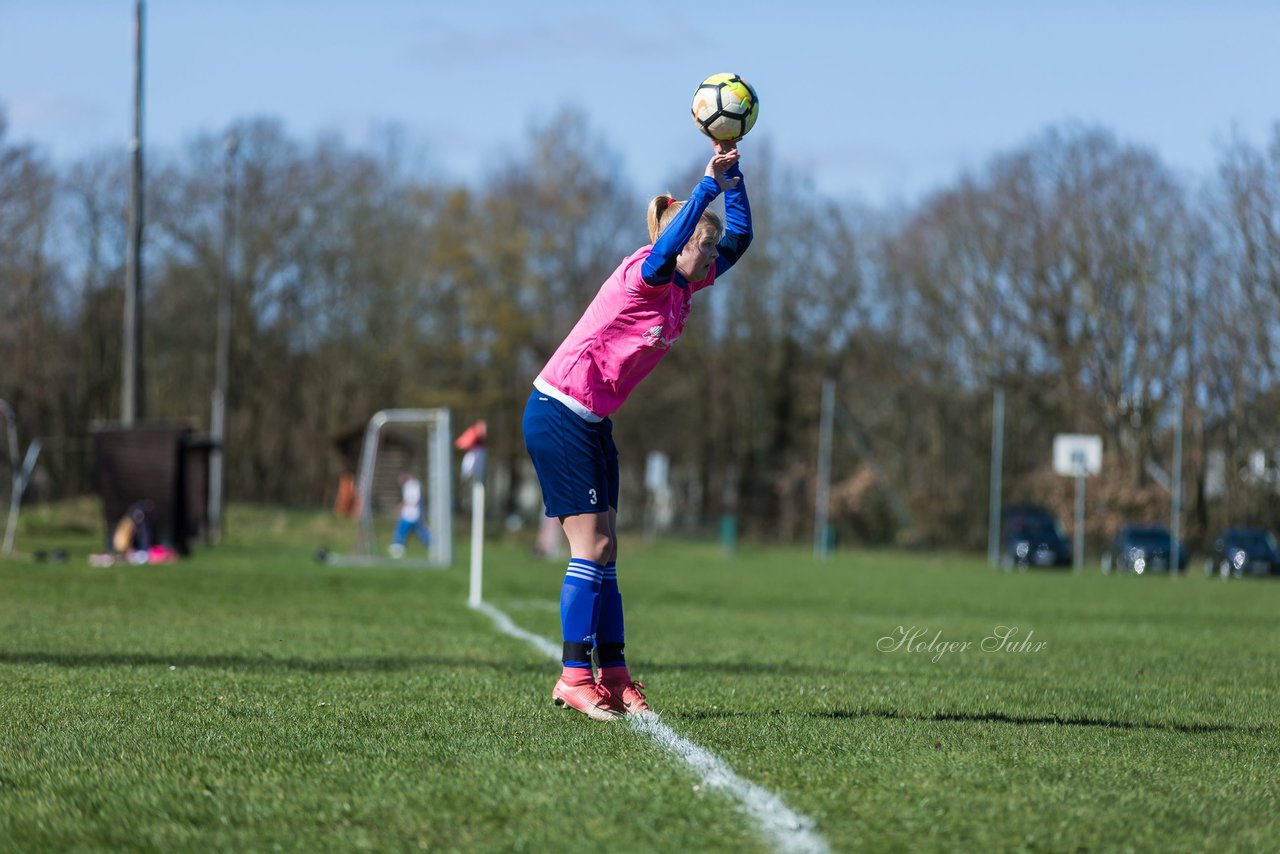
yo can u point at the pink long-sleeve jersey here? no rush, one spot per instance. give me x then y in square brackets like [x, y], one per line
[621, 337]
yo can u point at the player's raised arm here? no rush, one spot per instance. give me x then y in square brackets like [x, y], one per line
[737, 215]
[673, 223]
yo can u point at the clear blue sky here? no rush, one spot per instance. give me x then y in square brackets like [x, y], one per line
[882, 101]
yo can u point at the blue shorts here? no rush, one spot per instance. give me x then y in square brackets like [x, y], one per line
[576, 460]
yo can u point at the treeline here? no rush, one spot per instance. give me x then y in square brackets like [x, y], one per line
[1100, 290]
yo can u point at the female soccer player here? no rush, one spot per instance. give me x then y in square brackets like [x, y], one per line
[637, 315]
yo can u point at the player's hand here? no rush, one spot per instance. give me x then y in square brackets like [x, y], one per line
[720, 164]
[724, 146]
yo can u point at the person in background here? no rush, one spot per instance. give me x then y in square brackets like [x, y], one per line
[410, 520]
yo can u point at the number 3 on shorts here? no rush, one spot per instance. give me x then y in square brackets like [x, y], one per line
[592, 493]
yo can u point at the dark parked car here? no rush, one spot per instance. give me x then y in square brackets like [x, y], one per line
[1238, 552]
[1141, 549]
[1033, 537]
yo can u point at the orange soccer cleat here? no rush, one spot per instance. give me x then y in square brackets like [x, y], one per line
[591, 699]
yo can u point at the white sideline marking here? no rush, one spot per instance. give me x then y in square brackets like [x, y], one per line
[785, 828]
[530, 605]
[506, 626]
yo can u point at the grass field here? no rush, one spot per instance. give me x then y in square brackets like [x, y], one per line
[250, 699]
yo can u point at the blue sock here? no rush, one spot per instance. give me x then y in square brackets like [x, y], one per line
[578, 601]
[610, 635]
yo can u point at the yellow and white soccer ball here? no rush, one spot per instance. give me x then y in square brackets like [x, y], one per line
[725, 106]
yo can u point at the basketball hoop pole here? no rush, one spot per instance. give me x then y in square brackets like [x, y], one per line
[1077, 456]
[1079, 532]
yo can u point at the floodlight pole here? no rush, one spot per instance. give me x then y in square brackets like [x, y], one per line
[222, 359]
[997, 466]
[132, 397]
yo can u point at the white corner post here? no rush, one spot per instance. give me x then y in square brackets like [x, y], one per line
[477, 542]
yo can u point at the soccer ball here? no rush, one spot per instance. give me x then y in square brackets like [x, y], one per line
[725, 106]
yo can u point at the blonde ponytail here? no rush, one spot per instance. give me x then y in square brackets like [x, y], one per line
[661, 208]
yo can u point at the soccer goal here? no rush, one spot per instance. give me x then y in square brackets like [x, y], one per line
[403, 440]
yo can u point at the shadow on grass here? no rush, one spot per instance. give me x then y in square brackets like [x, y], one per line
[1027, 720]
[984, 717]
[265, 663]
